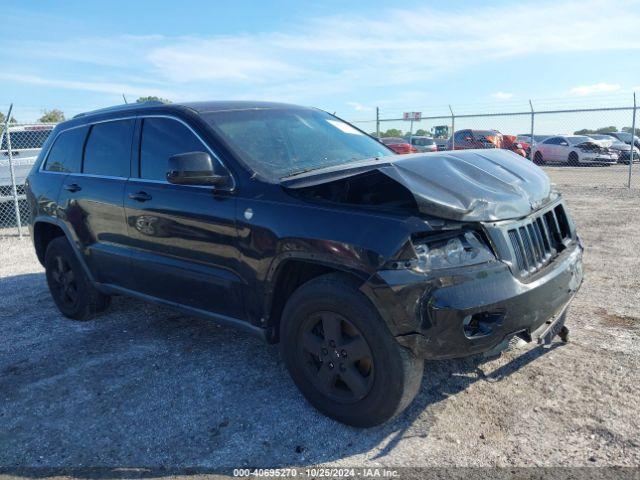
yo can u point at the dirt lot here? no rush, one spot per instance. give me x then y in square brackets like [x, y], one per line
[144, 386]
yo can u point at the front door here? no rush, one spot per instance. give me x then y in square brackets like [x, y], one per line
[183, 237]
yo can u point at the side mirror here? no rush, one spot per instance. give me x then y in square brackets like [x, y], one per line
[195, 168]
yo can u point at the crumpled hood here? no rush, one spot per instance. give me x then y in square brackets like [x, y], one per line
[473, 185]
[463, 185]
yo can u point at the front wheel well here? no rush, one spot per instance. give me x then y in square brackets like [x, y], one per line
[289, 277]
[43, 233]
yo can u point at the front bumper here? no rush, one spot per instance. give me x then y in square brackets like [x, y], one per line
[472, 309]
[610, 159]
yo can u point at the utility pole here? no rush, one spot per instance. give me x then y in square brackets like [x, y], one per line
[453, 129]
[633, 139]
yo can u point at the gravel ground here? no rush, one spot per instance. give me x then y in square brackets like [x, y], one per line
[144, 386]
[594, 176]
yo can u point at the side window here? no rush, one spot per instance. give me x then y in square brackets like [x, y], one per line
[66, 153]
[552, 141]
[108, 149]
[162, 138]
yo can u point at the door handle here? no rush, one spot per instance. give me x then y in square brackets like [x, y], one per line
[140, 196]
[72, 187]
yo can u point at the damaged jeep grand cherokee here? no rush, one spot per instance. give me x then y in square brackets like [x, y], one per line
[297, 227]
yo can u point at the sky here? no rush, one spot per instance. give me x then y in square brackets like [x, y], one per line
[346, 57]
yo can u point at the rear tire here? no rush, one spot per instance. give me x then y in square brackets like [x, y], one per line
[537, 159]
[573, 159]
[342, 356]
[72, 291]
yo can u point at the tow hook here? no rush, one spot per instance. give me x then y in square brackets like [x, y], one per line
[553, 328]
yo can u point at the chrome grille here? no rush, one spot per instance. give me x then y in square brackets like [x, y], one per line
[538, 239]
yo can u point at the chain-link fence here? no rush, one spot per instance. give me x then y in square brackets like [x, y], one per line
[20, 145]
[583, 147]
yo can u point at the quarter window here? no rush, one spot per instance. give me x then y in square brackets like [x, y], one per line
[108, 149]
[161, 139]
[66, 153]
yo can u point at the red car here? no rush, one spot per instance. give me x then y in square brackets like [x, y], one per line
[471, 139]
[510, 142]
[398, 145]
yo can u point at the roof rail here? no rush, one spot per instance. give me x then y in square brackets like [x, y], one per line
[123, 107]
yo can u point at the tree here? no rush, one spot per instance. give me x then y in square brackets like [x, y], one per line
[421, 132]
[51, 116]
[392, 132]
[610, 129]
[152, 98]
[628, 130]
[602, 130]
[3, 117]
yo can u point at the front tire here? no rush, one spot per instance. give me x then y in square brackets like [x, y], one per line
[573, 159]
[342, 356]
[537, 159]
[72, 291]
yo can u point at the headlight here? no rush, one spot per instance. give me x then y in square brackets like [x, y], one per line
[466, 249]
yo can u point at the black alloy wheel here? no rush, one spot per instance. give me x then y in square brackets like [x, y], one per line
[341, 354]
[337, 358]
[72, 290]
[63, 282]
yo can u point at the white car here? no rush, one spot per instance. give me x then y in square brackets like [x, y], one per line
[26, 142]
[623, 149]
[574, 150]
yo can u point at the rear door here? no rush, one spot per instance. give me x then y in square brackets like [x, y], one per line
[183, 236]
[92, 200]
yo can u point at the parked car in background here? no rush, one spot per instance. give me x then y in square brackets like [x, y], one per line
[423, 144]
[574, 150]
[525, 137]
[441, 143]
[626, 138]
[623, 149]
[399, 145]
[26, 142]
[510, 142]
[471, 139]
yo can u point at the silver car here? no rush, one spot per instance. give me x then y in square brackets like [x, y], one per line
[574, 150]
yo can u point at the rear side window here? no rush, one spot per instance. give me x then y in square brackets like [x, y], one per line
[161, 139]
[66, 153]
[108, 149]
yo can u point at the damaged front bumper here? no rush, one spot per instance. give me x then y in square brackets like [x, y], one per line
[473, 309]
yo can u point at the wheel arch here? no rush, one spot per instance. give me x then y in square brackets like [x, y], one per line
[289, 273]
[44, 230]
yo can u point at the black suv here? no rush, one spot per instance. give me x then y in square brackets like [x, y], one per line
[297, 227]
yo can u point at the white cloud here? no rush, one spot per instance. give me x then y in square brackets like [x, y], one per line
[358, 107]
[595, 88]
[101, 87]
[322, 57]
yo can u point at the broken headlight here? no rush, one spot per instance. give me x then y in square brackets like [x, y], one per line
[465, 249]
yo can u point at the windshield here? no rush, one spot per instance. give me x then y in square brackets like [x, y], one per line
[577, 140]
[626, 137]
[277, 143]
